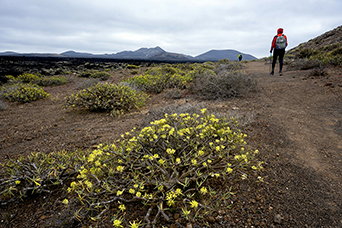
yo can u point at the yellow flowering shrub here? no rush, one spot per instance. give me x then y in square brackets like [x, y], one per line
[39, 172]
[167, 164]
[157, 79]
[24, 93]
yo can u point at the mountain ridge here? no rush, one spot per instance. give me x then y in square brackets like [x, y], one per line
[156, 53]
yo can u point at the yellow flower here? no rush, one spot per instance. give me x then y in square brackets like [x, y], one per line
[178, 160]
[132, 191]
[194, 204]
[120, 168]
[170, 151]
[118, 193]
[66, 201]
[200, 152]
[138, 194]
[203, 111]
[89, 184]
[204, 190]
[122, 207]
[205, 164]
[161, 161]
[117, 223]
[156, 156]
[136, 186]
[17, 182]
[179, 191]
[229, 170]
[134, 225]
[194, 161]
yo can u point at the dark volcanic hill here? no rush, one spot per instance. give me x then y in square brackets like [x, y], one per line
[156, 53]
[215, 55]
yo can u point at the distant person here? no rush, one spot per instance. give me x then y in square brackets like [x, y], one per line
[279, 43]
[240, 57]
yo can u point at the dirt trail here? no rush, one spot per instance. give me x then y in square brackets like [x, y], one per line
[308, 112]
[311, 114]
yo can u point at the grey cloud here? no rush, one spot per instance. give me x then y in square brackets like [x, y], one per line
[190, 27]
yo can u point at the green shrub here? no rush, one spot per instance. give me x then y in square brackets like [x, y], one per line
[134, 71]
[307, 52]
[48, 81]
[167, 76]
[130, 66]
[101, 75]
[23, 92]
[107, 97]
[28, 77]
[39, 172]
[166, 166]
[223, 61]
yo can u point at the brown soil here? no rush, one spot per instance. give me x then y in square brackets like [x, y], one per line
[294, 120]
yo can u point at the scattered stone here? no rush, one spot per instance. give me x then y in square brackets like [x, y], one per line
[211, 219]
[188, 225]
[176, 216]
[278, 219]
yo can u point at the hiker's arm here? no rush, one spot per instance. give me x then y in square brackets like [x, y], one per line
[273, 44]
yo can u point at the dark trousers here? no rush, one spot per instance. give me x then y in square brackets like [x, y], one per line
[280, 53]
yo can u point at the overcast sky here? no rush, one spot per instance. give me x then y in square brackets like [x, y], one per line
[183, 26]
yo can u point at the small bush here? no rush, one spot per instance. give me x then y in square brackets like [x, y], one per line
[49, 81]
[228, 67]
[130, 66]
[85, 83]
[134, 72]
[224, 85]
[166, 166]
[304, 64]
[107, 97]
[167, 76]
[306, 53]
[101, 75]
[38, 172]
[26, 78]
[23, 93]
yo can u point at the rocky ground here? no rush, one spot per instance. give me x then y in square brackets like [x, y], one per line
[295, 121]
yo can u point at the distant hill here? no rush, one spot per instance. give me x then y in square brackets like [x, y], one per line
[156, 53]
[142, 53]
[215, 55]
[74, 54]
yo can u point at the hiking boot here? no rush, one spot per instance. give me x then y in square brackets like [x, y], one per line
[272, 73]
[280, 73]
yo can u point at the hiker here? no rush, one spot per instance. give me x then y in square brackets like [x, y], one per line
[240, 57]
[279, 43]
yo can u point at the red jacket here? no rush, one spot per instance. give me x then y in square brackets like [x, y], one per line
[274, 41]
